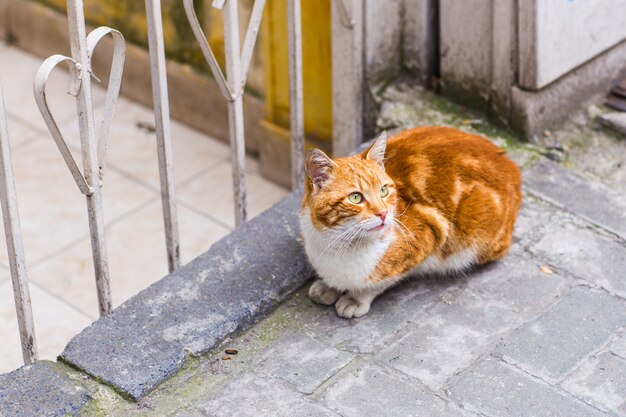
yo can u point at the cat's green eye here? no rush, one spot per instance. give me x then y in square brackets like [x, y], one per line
[355, 198]
[384, 191]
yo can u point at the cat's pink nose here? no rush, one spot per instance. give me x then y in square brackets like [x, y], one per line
[382, 215]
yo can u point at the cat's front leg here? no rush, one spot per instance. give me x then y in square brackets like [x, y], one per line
[321, 293]
[356, 303]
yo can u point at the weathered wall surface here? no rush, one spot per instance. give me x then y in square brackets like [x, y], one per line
[466, 50]
[558, 36]
[420, 39]
[529, 63]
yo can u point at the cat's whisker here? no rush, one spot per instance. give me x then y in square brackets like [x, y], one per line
[356, 237]
[395, 226]
[400, 223]
[405, 209]
[340, 237]
[397, 223]
[346, 243]
[389, 157]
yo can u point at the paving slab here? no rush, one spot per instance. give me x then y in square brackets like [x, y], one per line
[585, 254]
[615, 121]
[471, 320]
[532, 217]
[302, 361]
[573, 193]
[565, 335]
[601, 381]
[390, 312]
[618, 347]
[495, 389]
[369, 391]
[225, 290]
[251, 396]
[43, 389]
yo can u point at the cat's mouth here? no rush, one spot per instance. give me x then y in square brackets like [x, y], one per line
[379, 227]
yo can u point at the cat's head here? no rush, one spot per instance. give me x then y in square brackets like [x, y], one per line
[352, 196]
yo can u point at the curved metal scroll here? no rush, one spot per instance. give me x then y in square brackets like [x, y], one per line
[115, 80]
[113, 90]
[206, 50]
[40, 97]
[93, 145]
[248, 44]
[232, 86]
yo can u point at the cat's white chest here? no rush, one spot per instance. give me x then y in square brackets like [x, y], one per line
[343, 268]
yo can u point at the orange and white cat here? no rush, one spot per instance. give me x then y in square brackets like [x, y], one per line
[429, 200]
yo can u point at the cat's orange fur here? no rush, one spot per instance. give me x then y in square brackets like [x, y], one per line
[452, 202]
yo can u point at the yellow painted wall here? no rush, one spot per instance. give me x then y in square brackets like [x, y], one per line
[316, 56]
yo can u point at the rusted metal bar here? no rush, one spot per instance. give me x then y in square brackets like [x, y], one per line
[93, 149]
[296, 100]
[89, 148]
[232, 85]
[235, 108]
[15, 247]
[163, 131]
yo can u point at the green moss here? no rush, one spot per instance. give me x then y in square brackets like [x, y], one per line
[201, 376]
[404, 106]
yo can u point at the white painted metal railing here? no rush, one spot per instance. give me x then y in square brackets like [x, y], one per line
[15, 248]
[93, 148]
[163, 131]
[232, 86]
[94, 143]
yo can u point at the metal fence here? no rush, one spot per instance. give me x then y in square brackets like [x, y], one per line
[94, 139]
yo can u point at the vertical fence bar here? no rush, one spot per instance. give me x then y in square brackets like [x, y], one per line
[15, 248]
[235, 107]
[163, 131]
[232, 86]
[296, 100]
[88, 144]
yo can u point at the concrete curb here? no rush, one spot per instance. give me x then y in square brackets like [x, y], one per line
[43, 389]
[234, 284]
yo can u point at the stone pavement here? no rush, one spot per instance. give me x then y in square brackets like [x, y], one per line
[540, 333]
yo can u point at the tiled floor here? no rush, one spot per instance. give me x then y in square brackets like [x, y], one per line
[53, 212]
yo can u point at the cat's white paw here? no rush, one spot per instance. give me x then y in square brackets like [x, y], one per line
[323, 294]
[349, 307]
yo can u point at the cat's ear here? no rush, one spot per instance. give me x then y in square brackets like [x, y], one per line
[376, 152]
[318, 167]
